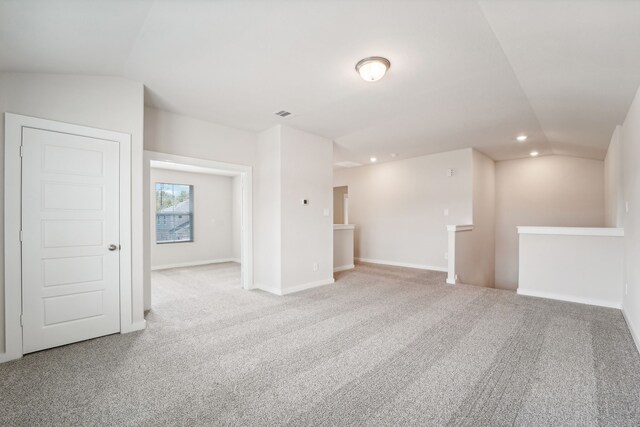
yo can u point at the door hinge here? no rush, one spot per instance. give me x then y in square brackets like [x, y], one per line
[21, 320]
[21, 150]
[21, 234]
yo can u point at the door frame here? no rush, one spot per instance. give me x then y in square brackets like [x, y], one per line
[246, 244]
[13, 221]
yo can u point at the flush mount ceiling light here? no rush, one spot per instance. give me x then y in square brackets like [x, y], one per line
[373, 68]
[522, 138]
[534, 154]
[373, 159]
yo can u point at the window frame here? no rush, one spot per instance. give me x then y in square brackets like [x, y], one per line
[190, 213]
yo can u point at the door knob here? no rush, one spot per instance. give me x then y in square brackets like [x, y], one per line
[113, 247]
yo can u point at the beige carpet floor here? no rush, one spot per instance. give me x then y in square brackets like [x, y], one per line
[382, 346]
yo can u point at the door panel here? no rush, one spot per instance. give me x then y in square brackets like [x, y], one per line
[69, 271]
[63, 195]
[70, 215]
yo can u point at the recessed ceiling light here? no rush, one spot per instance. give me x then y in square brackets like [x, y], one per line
[394, 154]
[522, 138]
[373, 68]
[534, 154]
[373, 159]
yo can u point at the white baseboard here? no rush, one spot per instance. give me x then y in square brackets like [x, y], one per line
[635, 332]
[7, 357]
[193, 263]
[267, 288]
[344, 267]
[293, 289]
[569, 298]
[135, 326]
[402, 264]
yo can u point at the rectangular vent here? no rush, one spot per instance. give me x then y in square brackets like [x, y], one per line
[283, 113]
[347, 164]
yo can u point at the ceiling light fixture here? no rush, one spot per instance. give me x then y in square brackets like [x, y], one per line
[522, 138]
[373, 68]
[534, 154]
[373, 159]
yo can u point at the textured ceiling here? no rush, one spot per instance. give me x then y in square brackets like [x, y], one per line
[463, 74]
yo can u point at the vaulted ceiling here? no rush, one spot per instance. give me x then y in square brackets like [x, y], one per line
[463, 74]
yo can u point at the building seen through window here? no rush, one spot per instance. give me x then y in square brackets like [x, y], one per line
[174, 213]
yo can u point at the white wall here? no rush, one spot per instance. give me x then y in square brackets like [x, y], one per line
[631, 195]
[613, 196]
[398, 207]
[585, 268]
[267, 225]
[171, 133]
[342, 247]
[475, 253]
[102, 102]
[213, 220]
[307, 234]
[236, 218]
[555, 191]
[294, 165]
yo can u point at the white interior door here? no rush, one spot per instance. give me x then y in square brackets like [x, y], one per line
[70, 238]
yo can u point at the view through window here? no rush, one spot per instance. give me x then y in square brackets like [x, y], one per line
[174, 213]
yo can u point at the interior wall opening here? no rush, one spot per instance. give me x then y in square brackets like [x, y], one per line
[198, 215]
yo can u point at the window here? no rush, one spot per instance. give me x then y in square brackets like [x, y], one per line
[174, 213]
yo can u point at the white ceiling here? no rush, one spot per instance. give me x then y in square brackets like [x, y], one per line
[463, 73]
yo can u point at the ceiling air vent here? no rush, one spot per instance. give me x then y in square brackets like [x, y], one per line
[283, 113]
[347, 164]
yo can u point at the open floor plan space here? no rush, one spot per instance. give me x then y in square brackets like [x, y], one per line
[319, 213]
[382, 346]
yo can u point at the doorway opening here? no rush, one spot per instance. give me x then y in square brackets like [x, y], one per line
[199, 227]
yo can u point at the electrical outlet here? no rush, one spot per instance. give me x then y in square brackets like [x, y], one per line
[446, 255]
[446, 212]
[315, 266]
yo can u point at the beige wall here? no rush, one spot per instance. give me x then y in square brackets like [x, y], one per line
[102, 102]
[338, 204]
[475, 254]
[545, 191]
[613, 197]
[398, 207]
[213, 220]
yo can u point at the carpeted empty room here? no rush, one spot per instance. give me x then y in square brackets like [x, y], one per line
[319, 213]
[382, 346]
